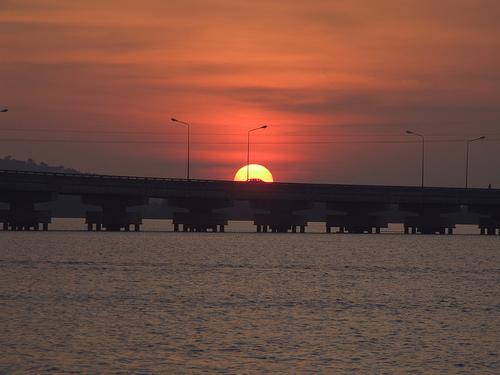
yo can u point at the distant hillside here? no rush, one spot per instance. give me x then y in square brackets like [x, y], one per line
[30, 165]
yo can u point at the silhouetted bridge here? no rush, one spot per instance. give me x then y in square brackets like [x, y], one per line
[349, 208]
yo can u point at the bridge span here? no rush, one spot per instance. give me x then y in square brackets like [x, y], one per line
[278, 206]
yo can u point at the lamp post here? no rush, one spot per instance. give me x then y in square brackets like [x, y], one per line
[188, 141]
[248, 148]
[469, 141]
[423, 151]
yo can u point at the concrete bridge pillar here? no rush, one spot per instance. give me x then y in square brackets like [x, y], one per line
[490, 223]
[429, 218]
[198, 215]
[22, 214]
[113, 215]
[280, 217]
[357, 217]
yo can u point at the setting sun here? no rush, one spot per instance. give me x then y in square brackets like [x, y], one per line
[256, 172]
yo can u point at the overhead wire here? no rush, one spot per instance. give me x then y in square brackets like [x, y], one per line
[98, 141]
[317, 134]
[368, 138]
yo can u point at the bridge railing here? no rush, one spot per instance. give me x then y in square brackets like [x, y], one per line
[104, 176]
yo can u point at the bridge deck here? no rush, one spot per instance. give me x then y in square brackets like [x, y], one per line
[155, 187]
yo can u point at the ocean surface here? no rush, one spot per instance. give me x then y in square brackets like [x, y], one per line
[159, 302]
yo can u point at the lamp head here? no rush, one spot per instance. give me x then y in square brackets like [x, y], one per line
[409, 132]
[482, 137]
[263, 127]
[173, 119]
[4, 110]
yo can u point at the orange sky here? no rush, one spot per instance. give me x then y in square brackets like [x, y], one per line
[338, 83]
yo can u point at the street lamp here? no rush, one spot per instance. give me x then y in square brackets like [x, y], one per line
[248, 148]
[188, 141]
[423, 151]
[469, 141]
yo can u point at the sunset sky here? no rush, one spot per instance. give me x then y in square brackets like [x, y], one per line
[93, 84]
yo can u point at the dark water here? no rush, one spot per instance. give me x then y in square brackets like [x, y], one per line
[77, 302]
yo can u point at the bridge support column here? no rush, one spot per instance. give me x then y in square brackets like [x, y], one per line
[114, 215]
[280, 217]
[489, 224]
[22, 214]
[199, 216]
[357, 217]
[429, 219]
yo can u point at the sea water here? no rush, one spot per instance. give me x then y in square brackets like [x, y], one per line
[159, 302]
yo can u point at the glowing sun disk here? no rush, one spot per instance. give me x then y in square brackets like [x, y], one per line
[255, 172]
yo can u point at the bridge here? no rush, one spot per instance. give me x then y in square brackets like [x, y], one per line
[278, 206]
